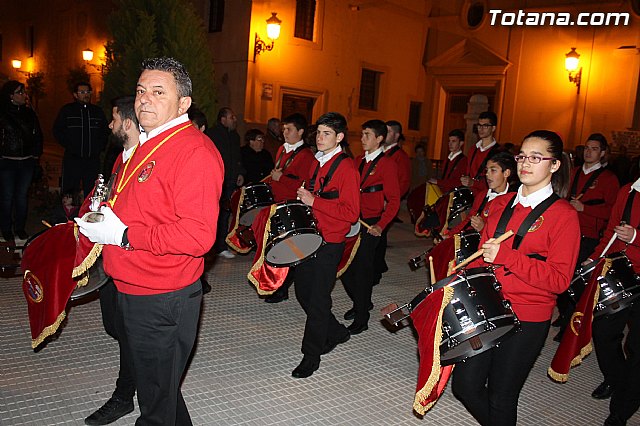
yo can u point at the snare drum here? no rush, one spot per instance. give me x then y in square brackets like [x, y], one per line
[293, 235]
[96, 279]
[618, 288]
[461, 204]
[256, 197]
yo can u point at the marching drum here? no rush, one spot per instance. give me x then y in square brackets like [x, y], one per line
[619, 287]
[461, 203]
[256, 197]
[436, 216]
[293, 235]
[477, 319]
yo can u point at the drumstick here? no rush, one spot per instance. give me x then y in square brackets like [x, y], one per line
[363, 223]
[609, 244]
[433, 272]
[301, 187]
[45, 223]
[479, 253]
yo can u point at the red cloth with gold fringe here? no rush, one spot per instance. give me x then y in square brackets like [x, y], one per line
[576, 340]
[238, 238]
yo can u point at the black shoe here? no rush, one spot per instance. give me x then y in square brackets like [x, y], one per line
[206, 287]
[277, 297]
[306, 368]
[603, 391]
[331, 346]
[22, 235]
[111, 411]
[559, 334]
[351, 313]
[614, 420]
[356, 328]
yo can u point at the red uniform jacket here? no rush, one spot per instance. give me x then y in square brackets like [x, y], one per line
[169, 200]
[598, 200]
[293, 175]
[335, 216]
[372, 204]
[531, 284]
[403, 164]
[633, 249]
[452, 172]
[476, 169]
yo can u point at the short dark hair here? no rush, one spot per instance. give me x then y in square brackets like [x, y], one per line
[223, 113]
[125, 107]
[81, 83]
[379, 128]
[297, 119]
[197, 116]
[457, 133]
[335, 121]
[395, 125]
[252, 134]
[175, 68]
[489, 115]
[506, 161]
[599, 137]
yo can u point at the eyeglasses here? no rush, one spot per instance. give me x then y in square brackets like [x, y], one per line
[533, 159]
[84, 92]
[19, 92]
[485, 126]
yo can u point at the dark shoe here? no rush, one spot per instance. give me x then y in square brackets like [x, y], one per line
[614, 420]
[357, 328]
[559, 334]
[331, 346]
[351, 313]
[603, 391]
[306, 368]
[206, 287]
[111, 411]
[22, 235]
[277, 297]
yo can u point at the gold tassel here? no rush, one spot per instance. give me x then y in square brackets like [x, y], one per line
[48, 331]
[258, 264]
[235, 227]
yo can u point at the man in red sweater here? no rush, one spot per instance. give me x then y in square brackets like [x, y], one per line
[333, 195]
[160, 222]
[484, 149]
[379, 203]
[456, 164]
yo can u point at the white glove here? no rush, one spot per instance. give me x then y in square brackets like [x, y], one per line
[108, 231]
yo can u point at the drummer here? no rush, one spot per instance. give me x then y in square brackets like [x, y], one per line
[379, 203]
[333, 195]
[484, 149]
[456, 164]
[621, 373]
[531, 276]
[294, 159]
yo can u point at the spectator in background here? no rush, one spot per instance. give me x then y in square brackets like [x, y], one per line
[198, 118]
[421, 167]
[273, 138]
[255, 159]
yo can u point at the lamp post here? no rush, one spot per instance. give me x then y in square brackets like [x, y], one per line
[87, 57]
[571, 62]
[273, 32]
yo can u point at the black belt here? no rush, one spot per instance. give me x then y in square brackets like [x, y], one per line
[372, 188]
[289, 175]
[329, 195]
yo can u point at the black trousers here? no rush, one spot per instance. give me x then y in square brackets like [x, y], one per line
[114, 326]
[315, 279]
[379, 263]
[489, 384]
[76, 169]
[161, 330]
[620, 371]
[358, 278]
[223, 217]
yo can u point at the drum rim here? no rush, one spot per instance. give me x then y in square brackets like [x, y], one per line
[297, 262]
[448, 361]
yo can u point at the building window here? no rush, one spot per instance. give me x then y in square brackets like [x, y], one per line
[216, 15]
[305, 19]
[369, 89]
[297, 103]
[414, 115]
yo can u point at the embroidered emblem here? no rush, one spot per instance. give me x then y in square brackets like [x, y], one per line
[594, 184]
[146, 171]
[537, 224]
[485, 213]
[32, 287]
[576, 322]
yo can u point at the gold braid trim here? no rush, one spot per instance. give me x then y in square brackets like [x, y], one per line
[235, 227]
[354, 251]
[434, 377]
[415, 228]
[87, 263]
[258, 264]
[49, 330]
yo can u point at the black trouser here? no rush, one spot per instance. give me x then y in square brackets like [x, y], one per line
[489, 384]
[76, 169]
[314, 281]
[114, 326]
[15, 179]
[379, 262]
[223, 217]
[622, 373]
[566, 304]
[161, 330]
[358, 278]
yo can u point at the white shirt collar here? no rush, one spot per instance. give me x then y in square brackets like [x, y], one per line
[372, 155]
[144, 136]
[453, 155]
[479, 145]
[532, 200]
[636, 186]
[491, 194]
[593, 168]
[127, 153]
[288, 147]
[387, 148]
[323, 158]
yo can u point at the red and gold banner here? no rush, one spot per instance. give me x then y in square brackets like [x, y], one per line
[235, 238]
[263, 276]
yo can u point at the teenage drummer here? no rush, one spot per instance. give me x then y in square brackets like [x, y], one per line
[379, 203]
[333, 193]
[456, 164]
[619, 366]
[480, 153]
[531, 275]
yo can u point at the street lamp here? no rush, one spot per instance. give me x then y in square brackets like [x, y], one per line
[571, 62]
[273, 32]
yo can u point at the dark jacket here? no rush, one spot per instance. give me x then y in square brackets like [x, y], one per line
[81, 129]
[257, 164]
[20, 134]
[228, 144]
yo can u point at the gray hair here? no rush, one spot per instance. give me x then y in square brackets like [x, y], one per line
[177, 70]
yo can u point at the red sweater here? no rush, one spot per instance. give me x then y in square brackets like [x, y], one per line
[476, 170]
[403, 165]
[532, 285]
[372, 204]
[170, 204]
[452, 172]
[632, 250]
[336, 216]
[593, 219]
[286, 187]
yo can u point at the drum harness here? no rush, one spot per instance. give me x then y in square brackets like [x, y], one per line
[453, 165]
[372, 167]
[328, 195]
[587, 184]
[290, 159]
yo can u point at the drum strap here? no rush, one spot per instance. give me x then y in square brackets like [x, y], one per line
[626, 214]
[372, 188]
[528, 221]
[330, 195]
[453, 166]
[587, 184]
[392, 151]
[370, 170]
[493, 151]
[290, 159]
